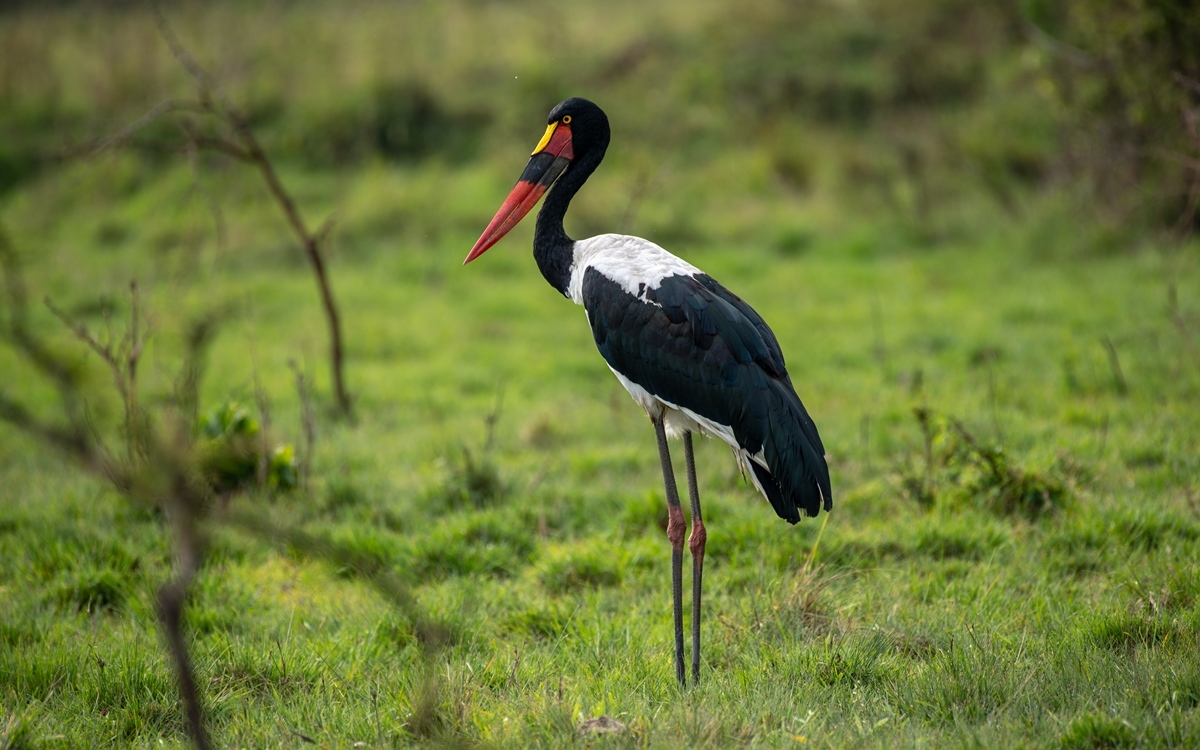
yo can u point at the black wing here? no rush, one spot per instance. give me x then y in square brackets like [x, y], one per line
[694, 344]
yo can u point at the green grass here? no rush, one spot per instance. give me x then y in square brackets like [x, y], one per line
[1036, 585]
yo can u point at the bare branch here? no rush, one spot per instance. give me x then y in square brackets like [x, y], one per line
[82, 333]
[249, 149]
[216, 143]
[122, 360]
[126, 134]
[312, 248]
[171, 599]
[203, 80]
[240, 143]
[166, 469]
[168, 473]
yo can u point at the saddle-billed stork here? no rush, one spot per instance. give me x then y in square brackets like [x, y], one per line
[691, 353]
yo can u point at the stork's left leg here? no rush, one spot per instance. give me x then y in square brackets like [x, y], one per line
[675, 535]
[696, 545]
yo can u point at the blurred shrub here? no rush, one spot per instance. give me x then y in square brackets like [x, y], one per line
[1124, 73]
[232, 449]
[955, 468]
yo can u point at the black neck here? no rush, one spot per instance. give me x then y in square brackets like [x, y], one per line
[552, 248]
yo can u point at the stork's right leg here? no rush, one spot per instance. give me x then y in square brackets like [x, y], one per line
[675, 531]
[696, 545]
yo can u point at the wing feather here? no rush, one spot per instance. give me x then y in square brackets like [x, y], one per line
[692, 343]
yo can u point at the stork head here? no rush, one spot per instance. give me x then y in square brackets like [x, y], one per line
[575, 128]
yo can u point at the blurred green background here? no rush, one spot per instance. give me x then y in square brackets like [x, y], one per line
[925, 115]
[970, 225]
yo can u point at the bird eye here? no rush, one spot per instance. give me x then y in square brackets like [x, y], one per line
[566, 120]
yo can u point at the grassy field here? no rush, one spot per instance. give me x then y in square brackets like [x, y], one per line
[1006, 374]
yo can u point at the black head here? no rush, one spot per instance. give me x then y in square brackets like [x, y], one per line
[588, 123]
[576, 138]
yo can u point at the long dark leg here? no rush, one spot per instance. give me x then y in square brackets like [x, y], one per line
[696, 544]
[675, 535]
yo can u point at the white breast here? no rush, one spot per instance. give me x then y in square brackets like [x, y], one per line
[634, 263]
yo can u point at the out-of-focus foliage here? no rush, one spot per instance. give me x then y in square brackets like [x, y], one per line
[1125, 76]
[901, 106]
[232, 451]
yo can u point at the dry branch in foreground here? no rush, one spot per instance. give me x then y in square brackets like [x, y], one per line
[165, 471]
[239, 142]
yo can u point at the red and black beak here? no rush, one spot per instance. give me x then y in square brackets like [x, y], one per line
[551, 157]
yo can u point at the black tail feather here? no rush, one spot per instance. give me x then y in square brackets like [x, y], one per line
[798, 478]
[784, 507]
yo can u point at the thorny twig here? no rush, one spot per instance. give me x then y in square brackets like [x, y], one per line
[122, 357]
[166, 476]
